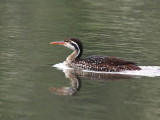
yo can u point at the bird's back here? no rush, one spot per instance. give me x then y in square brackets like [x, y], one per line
[104, 63]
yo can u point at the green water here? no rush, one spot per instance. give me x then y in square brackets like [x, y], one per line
[122, 28]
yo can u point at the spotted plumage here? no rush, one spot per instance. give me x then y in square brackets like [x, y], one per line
[95, 63]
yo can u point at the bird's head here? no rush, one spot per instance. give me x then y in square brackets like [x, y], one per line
[73, 44]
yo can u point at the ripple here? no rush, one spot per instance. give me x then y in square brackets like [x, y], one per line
[148, 71]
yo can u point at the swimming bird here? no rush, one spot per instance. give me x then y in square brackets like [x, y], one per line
[93, 63]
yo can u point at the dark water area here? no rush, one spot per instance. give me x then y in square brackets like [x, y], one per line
[31, 89]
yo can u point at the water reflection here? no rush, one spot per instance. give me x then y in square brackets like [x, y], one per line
[76, 83]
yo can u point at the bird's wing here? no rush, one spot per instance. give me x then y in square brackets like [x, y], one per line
[107, 60]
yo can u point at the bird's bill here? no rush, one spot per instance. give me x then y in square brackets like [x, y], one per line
[59, 42]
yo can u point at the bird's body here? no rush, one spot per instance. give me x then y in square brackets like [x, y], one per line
[101, 63]
[94, 63]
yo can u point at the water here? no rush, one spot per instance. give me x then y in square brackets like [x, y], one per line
[30, 88]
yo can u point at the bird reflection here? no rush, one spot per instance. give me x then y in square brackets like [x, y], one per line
[75, 81]
[75, 84]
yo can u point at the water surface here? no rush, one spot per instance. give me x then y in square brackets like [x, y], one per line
[128, 29]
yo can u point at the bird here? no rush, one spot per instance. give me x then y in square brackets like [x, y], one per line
[93, 63]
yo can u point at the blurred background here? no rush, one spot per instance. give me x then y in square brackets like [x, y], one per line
[128, 29]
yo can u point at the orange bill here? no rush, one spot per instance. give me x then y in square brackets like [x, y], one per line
[59, 42]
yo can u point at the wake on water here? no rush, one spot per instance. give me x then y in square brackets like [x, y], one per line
[148, 71]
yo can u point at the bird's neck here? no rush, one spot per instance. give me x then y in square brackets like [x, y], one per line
[73, 56]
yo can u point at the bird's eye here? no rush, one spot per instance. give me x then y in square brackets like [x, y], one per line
[67, 41]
